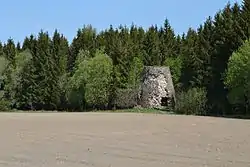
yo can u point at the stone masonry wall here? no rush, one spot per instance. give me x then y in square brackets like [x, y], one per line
[157, 90]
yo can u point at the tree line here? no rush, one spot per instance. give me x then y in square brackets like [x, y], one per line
[49, 73]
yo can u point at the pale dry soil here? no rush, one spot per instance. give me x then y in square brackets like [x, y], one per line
[122, 140]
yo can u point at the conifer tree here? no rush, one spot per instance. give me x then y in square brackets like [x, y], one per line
[240, 34]
[204, 50]
[28, 42]
[190, 59]
[1, 49]
[151, 47]
[115, 49]
[246, 17]
[59, 53]
[18, 47]
[86, 40]
[45, 83]
[226, 39]
[10, 50]
[168, 42]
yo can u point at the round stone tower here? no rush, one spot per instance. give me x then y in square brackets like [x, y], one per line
[157, 89]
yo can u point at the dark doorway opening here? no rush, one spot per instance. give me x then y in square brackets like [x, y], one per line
[164, 101]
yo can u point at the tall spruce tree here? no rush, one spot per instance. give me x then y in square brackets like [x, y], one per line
[10, 50]
[204, 50]
[246, 17]
[28, 42]
[190, 59]
[59, 53]
[45, 87]
[1, 48]
[151, 47]
[85, 40]
[18, 47]
[168, 42]
[226, 39]
[116, 50]
[240, 34]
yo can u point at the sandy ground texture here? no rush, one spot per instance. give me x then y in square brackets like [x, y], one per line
[122, 140]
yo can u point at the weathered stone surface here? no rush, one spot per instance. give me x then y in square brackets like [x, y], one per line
[157, 90]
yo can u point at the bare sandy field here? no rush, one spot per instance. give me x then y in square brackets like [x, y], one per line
[122, 140]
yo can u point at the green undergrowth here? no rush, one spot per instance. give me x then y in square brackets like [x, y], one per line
[134, 110]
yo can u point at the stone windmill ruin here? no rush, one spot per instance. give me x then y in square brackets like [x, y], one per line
[157, 89]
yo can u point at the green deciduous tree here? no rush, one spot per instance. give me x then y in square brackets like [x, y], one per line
[3, 66]
[18, 85]
[77, 82]
[237, 77]
[90, 83]
[98, 72]
[175, 65]
[226, 39]
[135, 71]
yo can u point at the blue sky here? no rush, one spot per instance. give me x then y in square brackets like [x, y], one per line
[21, 18]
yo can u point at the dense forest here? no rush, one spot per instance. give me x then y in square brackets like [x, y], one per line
[210, 66]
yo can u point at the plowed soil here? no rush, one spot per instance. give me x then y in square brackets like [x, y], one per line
[122, 140]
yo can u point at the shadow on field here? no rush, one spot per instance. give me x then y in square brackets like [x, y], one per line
[244, 117]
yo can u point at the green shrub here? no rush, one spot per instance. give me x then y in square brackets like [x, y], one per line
[4, 105]
[126, 98]
[191, 102]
